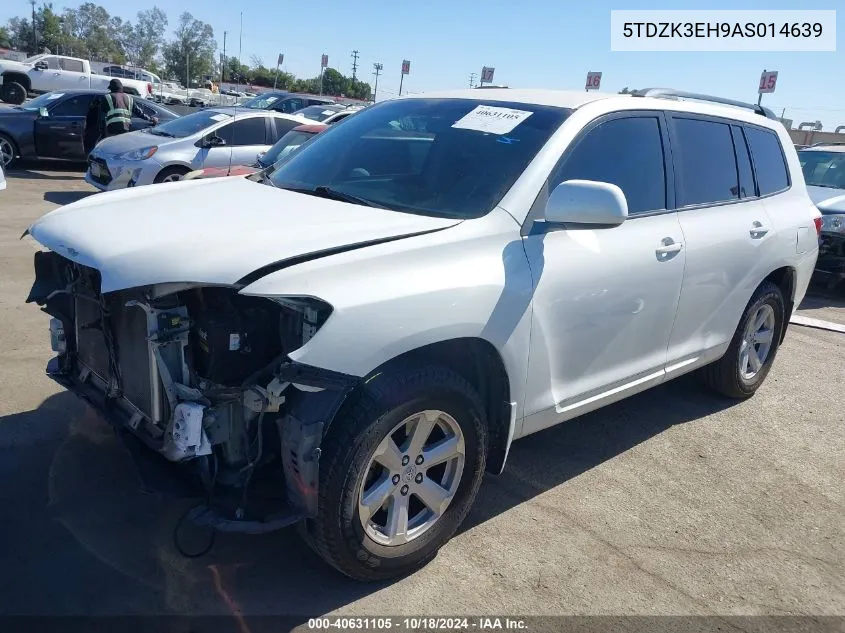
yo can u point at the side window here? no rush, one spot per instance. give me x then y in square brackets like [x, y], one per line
[705, 161]
[73, 65]
[743, 162]
[626, 152]
[769, 163]
[75, 106]
[282, 127]
[290, 105]
[249, 131]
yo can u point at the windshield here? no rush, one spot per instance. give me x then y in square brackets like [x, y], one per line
[47, 99]
[261, 101]
[284, 146]
[442, 157]
[190, 123]
[318, 112]
[823, 169]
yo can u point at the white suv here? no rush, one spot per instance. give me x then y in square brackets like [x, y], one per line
[375, 320]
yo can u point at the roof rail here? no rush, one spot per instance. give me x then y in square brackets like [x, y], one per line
[670, 93]
[821, 143]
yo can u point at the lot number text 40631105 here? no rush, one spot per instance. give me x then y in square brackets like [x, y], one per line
[422, 623]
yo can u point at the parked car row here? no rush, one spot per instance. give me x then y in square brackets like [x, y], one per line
[53, 125]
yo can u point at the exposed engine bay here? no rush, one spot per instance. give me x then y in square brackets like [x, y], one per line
[200, 374]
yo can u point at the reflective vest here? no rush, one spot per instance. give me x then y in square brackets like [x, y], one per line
[117, 114]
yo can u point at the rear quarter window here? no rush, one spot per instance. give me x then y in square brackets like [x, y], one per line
[769, 161]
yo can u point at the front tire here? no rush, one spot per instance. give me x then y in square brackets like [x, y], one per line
[170, 174]
[399, 471]
[12, 92]
[744, 367]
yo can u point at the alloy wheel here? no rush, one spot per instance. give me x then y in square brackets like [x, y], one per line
[7, 152]
[757, 341]
[411, 478]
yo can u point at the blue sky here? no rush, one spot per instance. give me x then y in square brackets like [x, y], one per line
[531, 43]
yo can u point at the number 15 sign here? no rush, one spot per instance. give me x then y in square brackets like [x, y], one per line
[767, 81]
[593, 81]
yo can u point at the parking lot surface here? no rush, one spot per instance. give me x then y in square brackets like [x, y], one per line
[672, 502]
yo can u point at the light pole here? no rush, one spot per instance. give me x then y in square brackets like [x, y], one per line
[378, 66]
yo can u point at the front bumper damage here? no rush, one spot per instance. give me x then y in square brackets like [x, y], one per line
[296, 404]
[110, 173]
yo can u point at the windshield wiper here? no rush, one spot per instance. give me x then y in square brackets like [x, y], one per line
[333, 194]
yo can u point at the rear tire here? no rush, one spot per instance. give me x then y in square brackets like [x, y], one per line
[359, 537]
[8, 151]
[744, 367]
[13, 92]
[170, 174]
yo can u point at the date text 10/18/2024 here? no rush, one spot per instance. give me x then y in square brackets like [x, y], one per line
[417, 624]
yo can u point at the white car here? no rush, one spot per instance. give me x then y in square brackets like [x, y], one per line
[209, 138]
[377, 319]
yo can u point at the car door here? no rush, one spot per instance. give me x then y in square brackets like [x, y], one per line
[74, 76]
[726, 232]
[244, 139]
[61, 133]
[604, 298]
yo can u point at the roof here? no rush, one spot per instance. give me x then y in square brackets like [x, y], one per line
[575, 99]
[559, 98]
[240, 112]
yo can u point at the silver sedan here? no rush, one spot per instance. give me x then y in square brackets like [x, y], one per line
[214, 137]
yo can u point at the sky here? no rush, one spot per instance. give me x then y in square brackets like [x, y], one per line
[530, 43]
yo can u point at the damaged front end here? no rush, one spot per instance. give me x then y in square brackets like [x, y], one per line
[201, 375]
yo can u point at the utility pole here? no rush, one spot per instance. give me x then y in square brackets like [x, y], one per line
[354, 65]
[472, 77]
[378, 66]
[223, 65]
[240, 48]
[34, 30]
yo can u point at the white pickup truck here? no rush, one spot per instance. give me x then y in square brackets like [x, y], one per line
[45, 73]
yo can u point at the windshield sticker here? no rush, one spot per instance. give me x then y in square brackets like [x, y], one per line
[221, 117]
[57, 95]
[492, 119]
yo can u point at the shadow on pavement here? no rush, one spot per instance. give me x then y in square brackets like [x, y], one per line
[66, 197]
[34, 170]
[87, 540]
[552, 457]
[819, 295]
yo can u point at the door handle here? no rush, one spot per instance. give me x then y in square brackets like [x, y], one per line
[669, 247]
[56, 74]
[758, 231]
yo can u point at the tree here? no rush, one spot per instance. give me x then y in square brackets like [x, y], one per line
[147, 37]
[236, 71]
[257, 61]
[5, 37]
[20, 33]
[192, 50]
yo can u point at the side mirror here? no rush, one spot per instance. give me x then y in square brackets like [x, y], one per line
[259, 156]
[587, 202]
[41, 65]
[214, 141]
[43, 113]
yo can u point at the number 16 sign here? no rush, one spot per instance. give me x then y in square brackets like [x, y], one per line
[593, 81]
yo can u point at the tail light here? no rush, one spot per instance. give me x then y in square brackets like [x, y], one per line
[818, 223]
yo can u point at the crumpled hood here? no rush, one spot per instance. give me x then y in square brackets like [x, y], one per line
[210, 231]
[828, 200]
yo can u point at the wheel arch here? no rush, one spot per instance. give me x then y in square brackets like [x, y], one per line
[785, 279]
[479, 363]
[18, 77]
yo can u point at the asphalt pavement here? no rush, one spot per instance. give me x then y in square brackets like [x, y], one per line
[675, 501]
